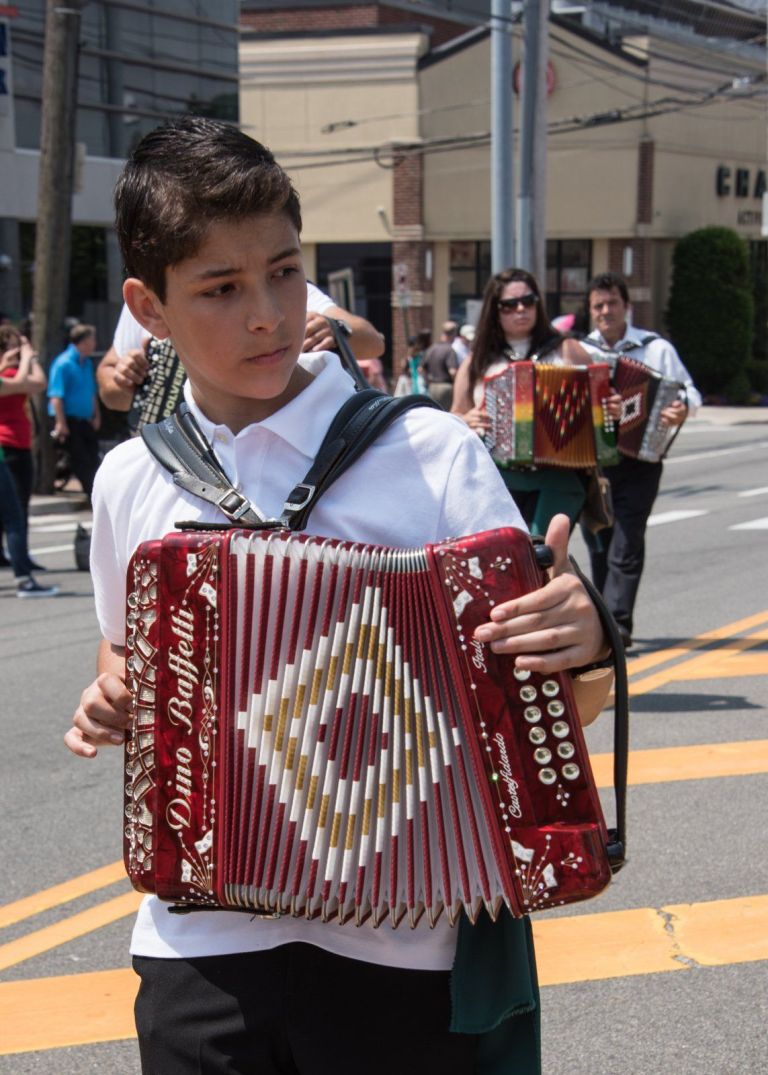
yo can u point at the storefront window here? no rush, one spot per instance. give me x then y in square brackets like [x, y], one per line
[569, 267]
[470, 267]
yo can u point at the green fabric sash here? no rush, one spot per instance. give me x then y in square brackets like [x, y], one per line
[495, 994]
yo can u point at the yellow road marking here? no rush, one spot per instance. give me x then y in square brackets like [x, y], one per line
[618, 944]
[704, 666]
[652, 660]
[58, 894]
[78, 1009]
[61, 932]
[700, 762]
[81, 1009]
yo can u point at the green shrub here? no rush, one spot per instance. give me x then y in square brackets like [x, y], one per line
[711, 309]
[757, 371]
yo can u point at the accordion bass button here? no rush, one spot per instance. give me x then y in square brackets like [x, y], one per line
[528, 693]
[565, 750]
[547, 776]
[571, 771]
[542, 756]
[537, 736]
[532, 714]
[555, 709]
[521, 674]
[560, 729]
[550, 688]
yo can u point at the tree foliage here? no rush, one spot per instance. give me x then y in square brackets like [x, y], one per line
[711, 309]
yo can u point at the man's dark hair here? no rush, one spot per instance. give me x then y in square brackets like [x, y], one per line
[180, 178]
[605, 281]
[80, 332]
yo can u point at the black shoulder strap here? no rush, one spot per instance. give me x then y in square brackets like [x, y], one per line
[617, 838]
[179, 445]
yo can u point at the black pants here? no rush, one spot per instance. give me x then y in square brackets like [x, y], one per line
[617, 554]
[83, 447]
[295, 1010]
[20, 465]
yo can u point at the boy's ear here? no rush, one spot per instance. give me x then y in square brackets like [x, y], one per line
[145, 307]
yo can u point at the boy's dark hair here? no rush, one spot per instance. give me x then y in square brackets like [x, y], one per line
[604, 281]
[181, 177]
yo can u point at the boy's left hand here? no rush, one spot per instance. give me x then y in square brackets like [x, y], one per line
[551, 629]
[318, 335]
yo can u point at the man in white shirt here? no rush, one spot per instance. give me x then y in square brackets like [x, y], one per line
[618, 553]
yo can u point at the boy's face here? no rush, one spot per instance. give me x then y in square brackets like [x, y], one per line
[235, 312]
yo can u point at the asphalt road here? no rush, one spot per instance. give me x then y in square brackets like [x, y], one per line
[696, 824]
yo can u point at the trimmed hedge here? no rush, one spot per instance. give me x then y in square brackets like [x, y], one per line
[711, 309]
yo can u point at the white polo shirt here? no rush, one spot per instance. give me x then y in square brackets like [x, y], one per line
[427, 478]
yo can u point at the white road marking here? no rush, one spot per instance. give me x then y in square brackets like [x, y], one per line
[51, 549]
[673, 517]
[755, 524]
[754, 492]
[714, 452]
[62, 517]
[53, 528]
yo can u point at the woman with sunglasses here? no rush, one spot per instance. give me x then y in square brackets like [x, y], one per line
[513, 326]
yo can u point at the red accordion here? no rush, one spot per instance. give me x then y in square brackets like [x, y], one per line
[315, 732]
[644, 395]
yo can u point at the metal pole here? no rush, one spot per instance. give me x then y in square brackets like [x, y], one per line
[528, 95]
[54, 207]
[502, 139]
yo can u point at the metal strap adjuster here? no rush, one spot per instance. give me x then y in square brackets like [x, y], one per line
[234, 505]
[300, 496]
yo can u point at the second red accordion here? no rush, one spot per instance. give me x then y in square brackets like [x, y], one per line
[315, 732]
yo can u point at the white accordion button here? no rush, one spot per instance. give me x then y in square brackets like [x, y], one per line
[542, 756]
[537, 735]
[547, 776]
[550, 688]
[571, 771]
[555, 709]
[528, 694]
[521, 674]
[532, 714]
[566, 750]
[560, 729]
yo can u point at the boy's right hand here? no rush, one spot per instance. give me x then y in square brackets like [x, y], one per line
[131, 369]
[101, 718]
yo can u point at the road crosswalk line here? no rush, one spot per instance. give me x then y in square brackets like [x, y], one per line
[82, 1009]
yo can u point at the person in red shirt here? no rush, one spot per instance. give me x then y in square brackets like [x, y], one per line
[19, 367]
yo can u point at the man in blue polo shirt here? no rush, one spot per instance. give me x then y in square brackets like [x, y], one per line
[73, 404]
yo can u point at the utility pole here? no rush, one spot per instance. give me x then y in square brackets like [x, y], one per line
[502, 140]
[54, 203]
[532, 198]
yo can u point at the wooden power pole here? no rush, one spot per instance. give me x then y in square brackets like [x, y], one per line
[54, 207]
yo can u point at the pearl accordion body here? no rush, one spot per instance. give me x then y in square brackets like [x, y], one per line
[644, 395]
[316, 733]
[162, 391]
[552, 415]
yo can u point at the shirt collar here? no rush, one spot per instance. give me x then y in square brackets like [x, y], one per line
[631, 335]
[304, 421]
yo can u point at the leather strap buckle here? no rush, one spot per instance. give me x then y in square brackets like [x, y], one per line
[300, 496]
[234, 505]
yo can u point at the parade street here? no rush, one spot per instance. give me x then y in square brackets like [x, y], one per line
[664, 974]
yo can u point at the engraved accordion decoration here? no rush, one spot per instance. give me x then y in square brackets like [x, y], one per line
[316, 733]
[160, 394]
[543, 414]
[644, 395]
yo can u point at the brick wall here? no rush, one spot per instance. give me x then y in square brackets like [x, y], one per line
[354, 17]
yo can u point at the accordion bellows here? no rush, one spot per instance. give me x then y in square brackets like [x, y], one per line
[316, 733]
[644, 395]
[550, 415]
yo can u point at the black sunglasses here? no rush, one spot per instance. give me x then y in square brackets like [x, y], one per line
[526, 301]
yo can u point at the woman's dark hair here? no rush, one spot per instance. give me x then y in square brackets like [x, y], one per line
[9, 337]
[180, 178]
[490, 342]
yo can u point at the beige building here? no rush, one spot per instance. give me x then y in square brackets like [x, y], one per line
[384, 127]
